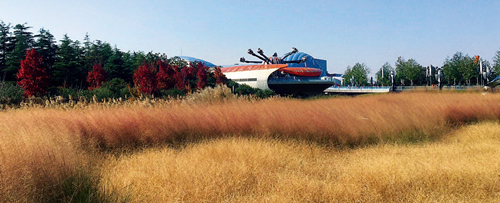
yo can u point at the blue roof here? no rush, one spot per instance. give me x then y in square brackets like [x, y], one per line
[311, 62]
[192, 59]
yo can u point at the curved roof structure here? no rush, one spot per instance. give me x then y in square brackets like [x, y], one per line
[192, 59]
[311, 62]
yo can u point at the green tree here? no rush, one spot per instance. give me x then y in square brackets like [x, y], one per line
[5, 47]
[417, 72]
[23, 41]
[68, 69]
[451, 69]
[460, 68]
[496, 63]
[115, 65]
[103, 51]
[99, 52]
[130, 63]
[152, 58]
[468, 69]
[88, 59]
[138, 58]
[117, 87]
[384, 71]
[45, 44]
[96, 53]
[177, 61]
[400, 70]
[359, 72]
[10, 93]
[409, 71]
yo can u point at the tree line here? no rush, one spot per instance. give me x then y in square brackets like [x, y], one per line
[94, 67]
[69, 61]
[459, 69]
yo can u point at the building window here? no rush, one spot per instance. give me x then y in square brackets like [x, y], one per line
[245, 80]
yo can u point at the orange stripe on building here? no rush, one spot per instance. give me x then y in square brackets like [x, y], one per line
[252, 67]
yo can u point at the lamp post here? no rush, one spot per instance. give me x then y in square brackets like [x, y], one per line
[439, 77]
[392, 80]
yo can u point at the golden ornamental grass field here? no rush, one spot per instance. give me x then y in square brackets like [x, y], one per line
[462, 167]
[393, 147]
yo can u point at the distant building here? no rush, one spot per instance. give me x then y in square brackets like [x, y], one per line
[192, 59]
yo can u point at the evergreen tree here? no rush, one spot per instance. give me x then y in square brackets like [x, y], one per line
[100, 52]
[5, 47]
[97, 52]
[87, 44]
[45, 44]
[23, 41]
[129, 65]
[115, 65]
[88, 61]
[139, 58]
[151, 58]
[68, 69]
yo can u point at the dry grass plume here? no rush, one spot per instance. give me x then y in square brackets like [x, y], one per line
[462, 167]
[41, 149]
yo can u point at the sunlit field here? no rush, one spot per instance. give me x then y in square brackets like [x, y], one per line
[461, 167]
[394, 147]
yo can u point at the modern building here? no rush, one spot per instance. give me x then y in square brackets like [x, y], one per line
[305, 76]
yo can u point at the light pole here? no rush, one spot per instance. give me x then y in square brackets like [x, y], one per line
[392, 80]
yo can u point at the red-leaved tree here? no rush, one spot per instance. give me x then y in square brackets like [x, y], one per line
[181, 82]
[96, 77]
[166, 75]
[220, 78]
[190, 72]
[145, 79]
[32, 76]
[201, 75]
[185, 77]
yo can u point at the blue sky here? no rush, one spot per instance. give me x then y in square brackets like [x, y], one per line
[219, 31]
